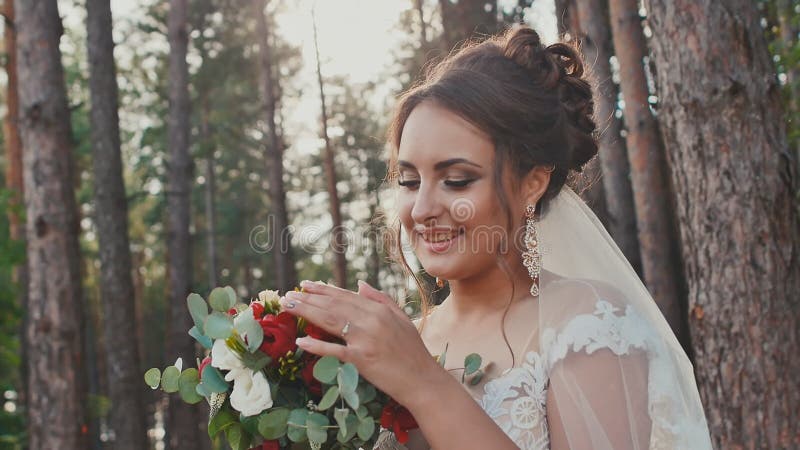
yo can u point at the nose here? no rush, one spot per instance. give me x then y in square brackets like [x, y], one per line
[427, 205]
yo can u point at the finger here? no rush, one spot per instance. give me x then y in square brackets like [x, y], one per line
[322, 348]
[365, 290]
[328, 303]
[323, 318]
[314, 287]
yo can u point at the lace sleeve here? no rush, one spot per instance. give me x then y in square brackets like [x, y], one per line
[612, 383]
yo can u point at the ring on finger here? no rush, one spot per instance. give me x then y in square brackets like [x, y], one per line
[345, 330]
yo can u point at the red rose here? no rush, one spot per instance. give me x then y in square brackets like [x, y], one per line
[258, 310]
[307, 374]
[268, 445]
[318, 333]
[280, 333]
[203, 365]
[397, 418]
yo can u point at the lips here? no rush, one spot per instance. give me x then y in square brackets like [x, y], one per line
[439, 239]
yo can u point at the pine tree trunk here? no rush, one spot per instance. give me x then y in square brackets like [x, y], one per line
[55, 410]
[111, 218]
[13, 146]
[597, 48]
[209, 195]
[285, 273]
[338, 242]
[721, 122]
[467, 19]
[658, 239]
[183, 424]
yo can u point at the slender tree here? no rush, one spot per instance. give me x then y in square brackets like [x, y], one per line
[597, 49]
[285, 273]
[183, 423]
[111, 216]
[209, 194]
[55, 409]
[338, 243]
[721, 121]
[651, 194]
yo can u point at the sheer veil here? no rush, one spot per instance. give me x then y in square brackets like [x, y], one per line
[618, 377]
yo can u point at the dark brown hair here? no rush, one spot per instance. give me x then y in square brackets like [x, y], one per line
[531, 100]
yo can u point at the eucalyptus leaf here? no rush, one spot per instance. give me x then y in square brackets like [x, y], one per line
[326, 369]
[169, 380]
[255, 361]
[220, 300]
[238, 438]
[204, 340]
[472, 363]
[315, 427]
[222, 420]
[248, 327]
[340, 414]
[362, 412]
[296, 431]
[232, 297]
[198, 308]
[153, 377]
[329, 398]
[249, 424]
[347, 378]
[366, 427]
[272, 425]
[351, 398]
[219, 325]
[203, 390]
[187, 386]
[366, 392]
[476, 379]
[352, 427]
[213, 380]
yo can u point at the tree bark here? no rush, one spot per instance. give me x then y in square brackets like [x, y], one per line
[654, 216]
[210, 198]
[111, 217]
[338, 242]
[721, 122]
[566, 19]
[55, 409]
[467, 19]
[285, 272]
[597, 48]
[183, 425]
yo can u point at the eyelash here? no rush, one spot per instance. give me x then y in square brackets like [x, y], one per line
[451, 183]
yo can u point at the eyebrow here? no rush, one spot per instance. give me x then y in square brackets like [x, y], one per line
[441, 164]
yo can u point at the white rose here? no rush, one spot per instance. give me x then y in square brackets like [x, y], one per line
[251, 394]
[268, 296]
[223, 358]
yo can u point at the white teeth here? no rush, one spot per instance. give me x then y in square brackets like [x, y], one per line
[440, 237]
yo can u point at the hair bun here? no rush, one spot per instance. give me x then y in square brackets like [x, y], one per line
[559, 66]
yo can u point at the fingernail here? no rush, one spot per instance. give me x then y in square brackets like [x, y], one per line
[294, 295]
[301, 341]
[306, 283]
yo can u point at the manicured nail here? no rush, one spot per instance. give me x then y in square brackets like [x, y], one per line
[301, 341]
[306, 283]
[294, 295]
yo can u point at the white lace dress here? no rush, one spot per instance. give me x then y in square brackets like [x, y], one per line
[605, 333]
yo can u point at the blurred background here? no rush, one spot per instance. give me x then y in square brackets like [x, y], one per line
[153, 148]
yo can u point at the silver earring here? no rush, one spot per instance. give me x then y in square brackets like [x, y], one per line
[531, 258]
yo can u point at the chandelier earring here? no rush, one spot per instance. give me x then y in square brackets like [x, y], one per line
[531, 258]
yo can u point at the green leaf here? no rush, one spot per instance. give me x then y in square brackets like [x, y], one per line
[476, 379]
[366, 427]
[220, 299]
[153, 378]
[249, 424]
[347, 378]
[352, 427]
[326, 369]
[248, 326]
[296, 424]
[213, 380]
[340, 414]
[329, 398]
[255, 361]
[204, 340]
[169, 381]
[362, 412]
[472, 363]
[351, 398]
[366, 392]
[222, 420]
[203, 390]
[187, 386]
[238, 439]
[272, 425]
[316, 423]
[232, 297]
[219, 325]
[198, 308]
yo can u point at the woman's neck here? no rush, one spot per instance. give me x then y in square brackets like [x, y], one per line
[487, 293]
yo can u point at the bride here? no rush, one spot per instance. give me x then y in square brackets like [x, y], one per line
[575, 352]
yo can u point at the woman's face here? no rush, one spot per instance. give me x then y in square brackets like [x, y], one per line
[447, 201]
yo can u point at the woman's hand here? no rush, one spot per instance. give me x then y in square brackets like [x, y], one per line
[381, 341]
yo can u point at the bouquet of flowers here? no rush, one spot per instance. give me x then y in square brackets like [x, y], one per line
[265, 393]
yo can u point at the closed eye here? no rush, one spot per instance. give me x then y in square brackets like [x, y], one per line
[408, 183]
[459, 183]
